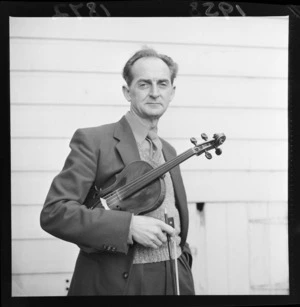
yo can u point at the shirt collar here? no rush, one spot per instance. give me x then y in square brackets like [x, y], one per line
[140, 130]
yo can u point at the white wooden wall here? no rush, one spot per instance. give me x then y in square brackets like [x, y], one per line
[66, 74]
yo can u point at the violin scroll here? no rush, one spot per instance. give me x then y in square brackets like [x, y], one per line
[218, 140]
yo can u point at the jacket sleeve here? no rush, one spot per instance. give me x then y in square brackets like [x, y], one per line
[63, 214]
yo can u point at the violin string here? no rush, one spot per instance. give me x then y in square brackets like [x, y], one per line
[144, 178]
[149, 176]
[140, 181]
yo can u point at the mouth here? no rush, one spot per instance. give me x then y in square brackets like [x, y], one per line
[154, 103]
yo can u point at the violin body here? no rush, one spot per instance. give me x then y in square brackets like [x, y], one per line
[139, 188]
[140, 202]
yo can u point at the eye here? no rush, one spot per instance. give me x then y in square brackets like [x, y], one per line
[143, 85]
[163, 84]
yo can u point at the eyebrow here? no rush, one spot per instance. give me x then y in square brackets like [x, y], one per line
[150, 81]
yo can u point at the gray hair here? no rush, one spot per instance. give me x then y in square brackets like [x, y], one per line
[147, 53]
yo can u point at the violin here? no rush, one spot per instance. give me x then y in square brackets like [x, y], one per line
[139, 188]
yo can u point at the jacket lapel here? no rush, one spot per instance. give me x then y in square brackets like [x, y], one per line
[127, 146]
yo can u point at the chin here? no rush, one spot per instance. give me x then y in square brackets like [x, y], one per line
[156, 109]
[155, 114]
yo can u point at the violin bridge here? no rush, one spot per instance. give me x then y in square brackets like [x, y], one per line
[104, 203]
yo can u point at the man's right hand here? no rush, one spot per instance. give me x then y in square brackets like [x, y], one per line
[149, 231]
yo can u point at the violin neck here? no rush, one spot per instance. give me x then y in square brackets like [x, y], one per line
[152, 175]
[167, 166]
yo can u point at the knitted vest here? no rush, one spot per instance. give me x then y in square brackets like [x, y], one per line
[147, 254]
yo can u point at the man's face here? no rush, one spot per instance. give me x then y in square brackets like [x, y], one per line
[151, 90]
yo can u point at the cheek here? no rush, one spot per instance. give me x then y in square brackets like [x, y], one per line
[168, 97]
[139, 96]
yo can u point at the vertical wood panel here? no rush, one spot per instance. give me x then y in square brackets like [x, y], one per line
[259, 249]
[197, 242]
[268, 248]
[238, 251]
[279, 258]
[279, 262]
[216, 244]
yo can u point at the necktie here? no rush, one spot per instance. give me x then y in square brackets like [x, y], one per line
[155, 146]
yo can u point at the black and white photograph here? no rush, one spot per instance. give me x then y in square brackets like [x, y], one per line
[149, 156]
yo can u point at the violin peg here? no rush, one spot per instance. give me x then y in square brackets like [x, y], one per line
[208, 155]
[194, 141]
[204, 136]
[218, 151]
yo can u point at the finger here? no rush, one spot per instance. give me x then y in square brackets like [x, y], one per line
[162, 237]
[154, 243]
[151, 245]
[167, 228]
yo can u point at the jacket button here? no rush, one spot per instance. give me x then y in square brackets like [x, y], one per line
[125, 275]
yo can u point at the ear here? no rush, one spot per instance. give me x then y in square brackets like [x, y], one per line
[173, 93]
[126, 92]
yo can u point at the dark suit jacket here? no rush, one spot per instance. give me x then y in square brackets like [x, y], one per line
[97, 155]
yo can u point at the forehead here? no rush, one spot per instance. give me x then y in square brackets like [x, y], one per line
[150, 68]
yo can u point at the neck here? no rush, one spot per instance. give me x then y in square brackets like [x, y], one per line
[151, 123]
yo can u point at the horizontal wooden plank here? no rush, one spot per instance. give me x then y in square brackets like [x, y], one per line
[272, 212]
[25, 223]
[91, 56]
[260, 31]
[50, 154]
[43, 256]
[62, 121]
[105, 89]
[235, 186]
[40, 284]
[32, 187]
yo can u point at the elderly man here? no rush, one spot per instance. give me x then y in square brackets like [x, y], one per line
[122, 253]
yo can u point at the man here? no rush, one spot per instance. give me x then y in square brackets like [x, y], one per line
[122, 253]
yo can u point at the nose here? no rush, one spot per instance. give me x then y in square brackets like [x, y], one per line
[154, 91]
